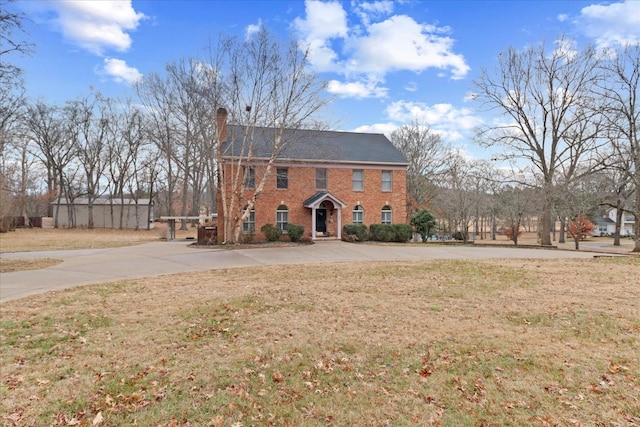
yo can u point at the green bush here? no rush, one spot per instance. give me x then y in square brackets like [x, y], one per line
[271, 232]
[390, 232]
[248, 237]
[358, 230]
[425, 223]
[294, 232]
[458, 235]
[403, 232]
[381, 233]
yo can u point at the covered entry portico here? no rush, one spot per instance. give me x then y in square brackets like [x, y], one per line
[325, 208]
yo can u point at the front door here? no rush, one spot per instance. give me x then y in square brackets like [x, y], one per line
[321, 221]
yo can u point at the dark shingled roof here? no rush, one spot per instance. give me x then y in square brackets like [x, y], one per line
[317, 145]
[604, 220]
[322, 195]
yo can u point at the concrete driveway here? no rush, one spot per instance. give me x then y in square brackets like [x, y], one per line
[82, 267]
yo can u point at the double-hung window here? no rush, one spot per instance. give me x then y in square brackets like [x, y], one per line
[282, 218]
[249, 177]
[358, 215]
[386, 215]
[249, 224]
[282, 178]
[321, 179]
[386, 180]
[358, 180]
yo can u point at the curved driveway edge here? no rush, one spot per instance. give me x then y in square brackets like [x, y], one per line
[90, 266]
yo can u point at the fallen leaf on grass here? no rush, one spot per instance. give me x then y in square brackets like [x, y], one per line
[98, 419]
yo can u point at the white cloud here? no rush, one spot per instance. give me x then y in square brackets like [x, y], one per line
[97, 26]
[448, 121]
[470, 96]
[566, 48]
[120, 71]
[367, 89]
[323, 21]
[253, 29]
[563, 17]
[401, 43]
[371, 10]
[612, 24]
[411, 86]
[383, 128]
[365, 54]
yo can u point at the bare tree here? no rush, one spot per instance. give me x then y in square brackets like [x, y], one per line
[458, 197]
[12, 149]
[514, 202]
[12, 103]
[127, 137]
[11, 42]
[582, 200]
[155, 93]
[46, 131]
[267, 85]
[547, 103]
[427, 156]
[187, 106]
[87, 127]
[144, 179]
[617, 187]
[620, 91]
[181, 112]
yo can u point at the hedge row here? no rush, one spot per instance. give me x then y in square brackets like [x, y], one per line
[378, 232]
[272, 232]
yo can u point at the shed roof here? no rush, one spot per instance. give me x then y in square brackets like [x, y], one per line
[315, 145]
[104, 201]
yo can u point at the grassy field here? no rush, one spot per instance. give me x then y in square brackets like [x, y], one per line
[450, 343]
[38, 239]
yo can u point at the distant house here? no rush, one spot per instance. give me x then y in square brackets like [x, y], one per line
[321, 180]
[107, 213]
[605, 226]
[627, 227]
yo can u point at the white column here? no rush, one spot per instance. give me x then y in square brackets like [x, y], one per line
[339, 222]
[313, 223]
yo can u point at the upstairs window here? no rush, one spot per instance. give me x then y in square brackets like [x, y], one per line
[282, 178]
[321, 179]
[386, 180]
[358, 180]
[386, 215]
[358, 215]
[249, 177]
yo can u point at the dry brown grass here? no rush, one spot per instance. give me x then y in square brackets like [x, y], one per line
[604, 244]
[9, 265]
[38, 239]
[454, 343]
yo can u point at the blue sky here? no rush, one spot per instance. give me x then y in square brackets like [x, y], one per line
[386, 62]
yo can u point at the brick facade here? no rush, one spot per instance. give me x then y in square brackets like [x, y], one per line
[302, 186]
[321, 211]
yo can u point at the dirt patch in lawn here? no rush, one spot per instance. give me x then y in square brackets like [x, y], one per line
[9, 265]
[510, 343]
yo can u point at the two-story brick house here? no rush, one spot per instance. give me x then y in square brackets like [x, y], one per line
[321, 180]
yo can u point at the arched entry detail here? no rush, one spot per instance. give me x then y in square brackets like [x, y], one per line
[319, 204]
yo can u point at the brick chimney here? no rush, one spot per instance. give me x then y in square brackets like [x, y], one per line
[221, 124]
